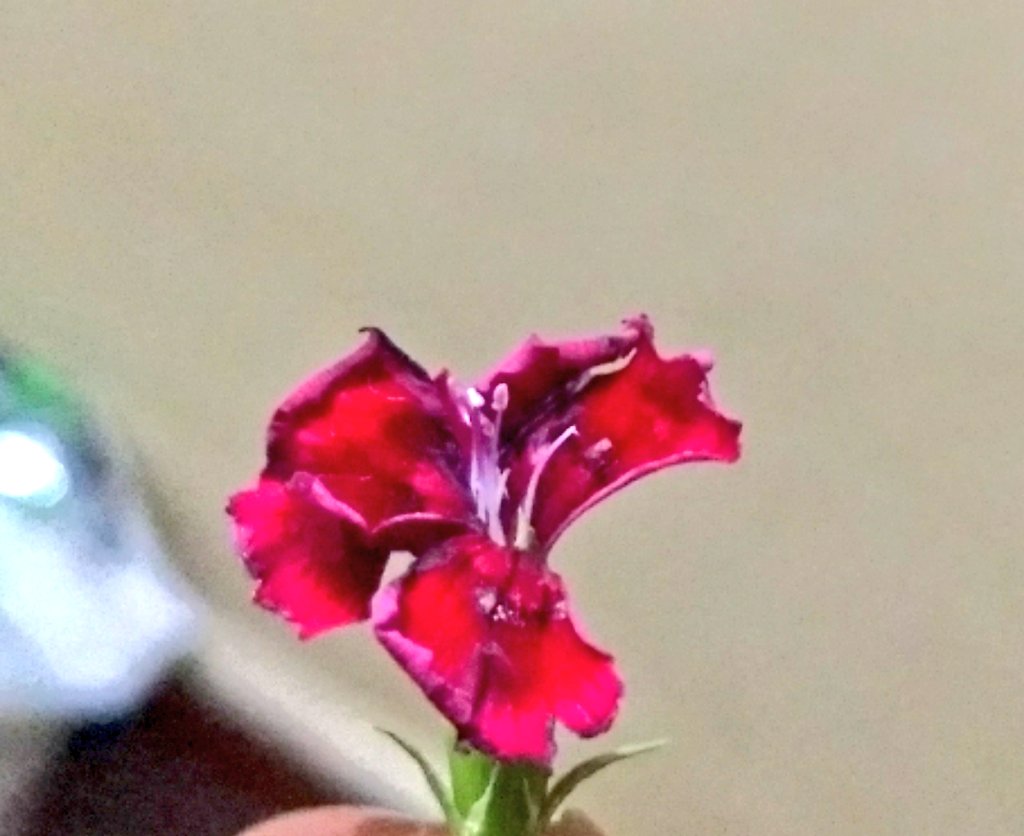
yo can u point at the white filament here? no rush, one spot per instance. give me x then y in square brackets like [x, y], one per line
[486, 479]
[524, 528]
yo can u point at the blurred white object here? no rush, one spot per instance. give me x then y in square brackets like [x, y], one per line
[91, 615]
[30, 470]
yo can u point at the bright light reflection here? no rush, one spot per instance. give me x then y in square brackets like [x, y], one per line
[30, 471]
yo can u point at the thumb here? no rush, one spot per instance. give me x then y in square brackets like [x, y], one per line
[574, 823]
[342, 821]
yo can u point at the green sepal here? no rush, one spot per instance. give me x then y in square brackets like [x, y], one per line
[477, 819]
[519, 792]
[437, 787]
[471, 772]
[496, 798]
[564, 786]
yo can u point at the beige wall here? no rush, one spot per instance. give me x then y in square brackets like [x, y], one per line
[199, 202]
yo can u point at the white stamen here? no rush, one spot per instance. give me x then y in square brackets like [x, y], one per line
[524, 530]
[494, 529]
[487, 482]
[499, 400]
[486, 598]
[499, 403]
[611, 367]
[598, 448]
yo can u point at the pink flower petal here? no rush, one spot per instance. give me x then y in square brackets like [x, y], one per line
[541, 375]
[632, 420]
[377, 433]
[485, 632]
[314, 567]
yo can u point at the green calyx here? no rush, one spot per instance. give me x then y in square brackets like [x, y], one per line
[495, 798]
[485, 796]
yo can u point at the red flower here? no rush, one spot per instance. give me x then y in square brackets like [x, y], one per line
[374, 455]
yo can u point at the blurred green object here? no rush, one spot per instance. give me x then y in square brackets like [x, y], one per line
[91, 614]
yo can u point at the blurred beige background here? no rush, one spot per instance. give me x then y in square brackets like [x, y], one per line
[201, 202]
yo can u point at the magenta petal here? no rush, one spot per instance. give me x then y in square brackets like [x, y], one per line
[314, 567]
[629, 421]
[541, 376]
[485, 631]
[377, 432]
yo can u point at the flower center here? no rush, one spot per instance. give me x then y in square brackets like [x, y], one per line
[488, 480]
